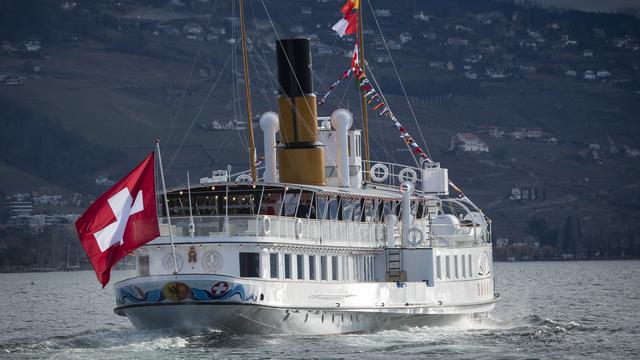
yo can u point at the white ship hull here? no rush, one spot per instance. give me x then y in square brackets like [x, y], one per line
[191, 302]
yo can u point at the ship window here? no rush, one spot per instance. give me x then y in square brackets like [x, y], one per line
[470, 267]
[357, 210]
[306, 209]
[291, 202]
[369, 211]
[464, 267]
[273, 265]
[438, 268]
[455, 265]
[242, 202]
[249, 264]
[334, 268]
[271, 202]
[300, 266]
[347, 208]
[323, 267]
[334, 208]
[447, 267]
[287, 266]
[312, 267]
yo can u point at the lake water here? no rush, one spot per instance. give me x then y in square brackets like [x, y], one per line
[548, 310]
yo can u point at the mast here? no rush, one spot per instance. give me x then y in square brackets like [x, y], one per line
[363, 99]
[247, 91]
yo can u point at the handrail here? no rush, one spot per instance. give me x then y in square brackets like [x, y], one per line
[309, 231]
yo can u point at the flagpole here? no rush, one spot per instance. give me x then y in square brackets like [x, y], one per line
[192, 226]
[247, 95]
[363, 100]
[166, 206]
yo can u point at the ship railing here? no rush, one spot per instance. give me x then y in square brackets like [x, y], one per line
[391, 174]
[268, 227]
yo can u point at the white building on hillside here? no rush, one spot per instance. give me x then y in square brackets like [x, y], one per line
[468, 142]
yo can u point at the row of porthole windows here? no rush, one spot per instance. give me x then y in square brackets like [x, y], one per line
[462, 267]
[288, 266]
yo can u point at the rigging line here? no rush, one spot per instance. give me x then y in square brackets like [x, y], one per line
[193, 121]
[395, 69]
[236, 86]
[255, 67]
[375, 82]
[188, 82]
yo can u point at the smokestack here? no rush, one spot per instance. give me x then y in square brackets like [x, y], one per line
[300, 154]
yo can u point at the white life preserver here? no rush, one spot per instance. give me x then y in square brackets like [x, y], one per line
[244, 178]
[415, 237]
[379, 177]
[408, 174]
[298, 228]
[266, 225]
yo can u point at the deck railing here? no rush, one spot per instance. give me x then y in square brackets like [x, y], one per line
[315, 232]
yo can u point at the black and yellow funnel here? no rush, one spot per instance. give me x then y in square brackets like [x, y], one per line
[300, 155]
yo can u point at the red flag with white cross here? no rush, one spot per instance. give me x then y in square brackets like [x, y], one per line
[120, 220]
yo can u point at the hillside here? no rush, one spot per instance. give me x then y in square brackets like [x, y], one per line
[111, 78]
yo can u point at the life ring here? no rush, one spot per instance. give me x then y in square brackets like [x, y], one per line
[266, 225]
[244, 178]
[415, 237]
[379, 172]
[408, 174]
[298, 228]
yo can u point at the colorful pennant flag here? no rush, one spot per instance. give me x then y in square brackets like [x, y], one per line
[348, 25]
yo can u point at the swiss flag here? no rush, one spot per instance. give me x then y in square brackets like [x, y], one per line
[121, 220]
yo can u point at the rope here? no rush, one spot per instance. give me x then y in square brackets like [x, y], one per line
[193, 66]
[395, 69]
[193, 121]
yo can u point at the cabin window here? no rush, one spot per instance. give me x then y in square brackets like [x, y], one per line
[332, 210]
[357, 210]
[249, 264]
[271, 202]
[334, 268]
[306, 209]
[369, 211]
[464, 267]
[438, 268]
[323, 267]
[455, 265]
[291, 200]
[347, 209]
[300, 266]
[447, 267]
[273, 265]
[287, 266]
[470, 267]
[312, 267]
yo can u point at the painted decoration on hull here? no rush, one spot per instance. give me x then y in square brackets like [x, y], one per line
[176, 291]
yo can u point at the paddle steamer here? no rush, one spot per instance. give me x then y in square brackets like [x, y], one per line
[318, 241]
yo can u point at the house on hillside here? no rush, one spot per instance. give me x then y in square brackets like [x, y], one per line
[32, 45]
[422, 17]
[589, 75]
[468, 142]
[603, 74]
[571, 73]
[383, 12]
